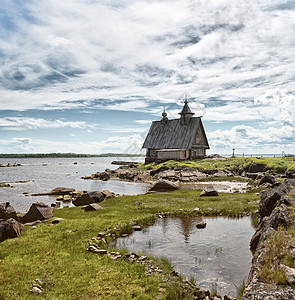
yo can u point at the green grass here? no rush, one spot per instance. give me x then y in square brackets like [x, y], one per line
[57, 254]
[278, 165]
[240, 290]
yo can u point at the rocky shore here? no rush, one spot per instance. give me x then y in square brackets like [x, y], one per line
[272, 275]
[259, 174]
[9, 165]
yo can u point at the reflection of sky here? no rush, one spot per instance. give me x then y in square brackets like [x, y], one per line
[93, 82]
[217, 255]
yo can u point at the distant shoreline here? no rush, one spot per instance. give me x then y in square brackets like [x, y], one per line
[58, 155]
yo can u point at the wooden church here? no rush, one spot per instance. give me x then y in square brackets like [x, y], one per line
[177, 139]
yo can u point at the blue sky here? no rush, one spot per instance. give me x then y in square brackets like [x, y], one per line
[90, 76]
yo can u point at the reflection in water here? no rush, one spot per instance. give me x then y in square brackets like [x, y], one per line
[217, 256]
[187, 225]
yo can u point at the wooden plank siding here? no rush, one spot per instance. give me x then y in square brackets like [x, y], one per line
[183, 138]
[172, 135]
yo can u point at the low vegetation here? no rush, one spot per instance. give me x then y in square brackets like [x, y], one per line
[57, 256]
[277, 165]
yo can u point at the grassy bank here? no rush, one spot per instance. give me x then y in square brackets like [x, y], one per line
[57, 254]
[277, 165]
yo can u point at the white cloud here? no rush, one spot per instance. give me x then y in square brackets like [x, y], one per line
[88, 50]
[126, 129]
[280, 104]
[56, 41]
[253, 140]
[135, 51]
[127, 144]
[144, 122]
[21, 123]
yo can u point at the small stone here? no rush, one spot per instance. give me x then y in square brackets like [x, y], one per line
[290, 273]
[201, 225]
[196, 209]
[92, 248]
[33, 227]
[136, 228]
[57, 220]
[201, 294]
[137, 203]
[228, 297]
[133, 255]
[36, 290]
[101, 234]
[102, 251]
[142, 258]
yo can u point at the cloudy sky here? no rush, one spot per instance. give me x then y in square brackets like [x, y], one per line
[89, 76]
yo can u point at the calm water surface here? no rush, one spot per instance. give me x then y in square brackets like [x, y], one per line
[45, 174]
[216, 257]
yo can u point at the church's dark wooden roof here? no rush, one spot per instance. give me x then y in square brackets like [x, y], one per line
[172, 135]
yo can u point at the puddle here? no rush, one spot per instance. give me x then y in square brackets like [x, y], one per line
[217, 257]
[220, 186]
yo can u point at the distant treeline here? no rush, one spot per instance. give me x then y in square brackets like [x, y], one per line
[41, 155]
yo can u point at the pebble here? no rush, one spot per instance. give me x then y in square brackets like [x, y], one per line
[36, 290]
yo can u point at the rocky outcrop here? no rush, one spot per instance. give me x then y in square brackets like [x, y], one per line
[7, 211]
[10, 228]
[258, 172]
[163, 186]
[37, 211]
[255, 168]
[61, 191]
[274, 212]
[10, 165]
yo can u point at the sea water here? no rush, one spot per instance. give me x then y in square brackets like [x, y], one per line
[41, 175]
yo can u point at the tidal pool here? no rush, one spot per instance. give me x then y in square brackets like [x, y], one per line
[217, 257]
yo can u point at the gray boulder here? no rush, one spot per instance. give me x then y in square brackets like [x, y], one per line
[208, 191]
[104, 176]
[108, 194]
[267, 178]
[290, 274]
[7, 211]
[92, 207]
[88, 198]
[37, 211]
[10, 228]
[164, 186]
[268, 202]
[255, 168]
